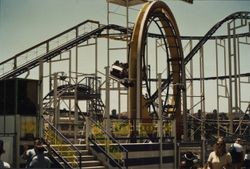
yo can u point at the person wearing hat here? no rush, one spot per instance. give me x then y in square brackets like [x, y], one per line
[237, 154]
[3, 164]
[219, 158]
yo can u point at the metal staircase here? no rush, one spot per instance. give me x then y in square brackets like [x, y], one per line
[87, 159]
[66, 154]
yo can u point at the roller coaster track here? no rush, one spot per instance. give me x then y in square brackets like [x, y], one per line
[203, 40]
[208, 35]
[84, 92]
[17, 69]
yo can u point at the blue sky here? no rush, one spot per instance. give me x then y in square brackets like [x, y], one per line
[24, 23]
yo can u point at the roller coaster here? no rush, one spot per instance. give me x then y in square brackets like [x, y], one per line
[154, 101]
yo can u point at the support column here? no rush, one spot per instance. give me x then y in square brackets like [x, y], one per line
[55, 102]
[40, 97]
[160, 122]
[107, 102]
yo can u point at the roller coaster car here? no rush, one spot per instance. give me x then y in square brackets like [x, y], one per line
[119, 70]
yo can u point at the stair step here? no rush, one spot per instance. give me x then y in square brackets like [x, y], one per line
[84, 157]
[67, 145]
[94, 167]
[79, 146]
[66, 153]
[92, 163]
[88, 160]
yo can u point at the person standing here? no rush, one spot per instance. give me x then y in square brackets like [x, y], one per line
[247, 159]
[40, 160]
[3, 164]
[237, 154]
[30, 153]
[219, 158]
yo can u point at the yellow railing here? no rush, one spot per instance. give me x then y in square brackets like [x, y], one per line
[62, 146]
[107, 144]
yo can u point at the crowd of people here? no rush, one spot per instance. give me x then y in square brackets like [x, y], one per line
[35, 157]
[221, 158]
